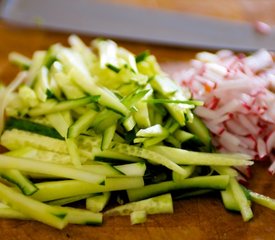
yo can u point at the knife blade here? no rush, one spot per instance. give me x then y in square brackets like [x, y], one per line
[136, 24]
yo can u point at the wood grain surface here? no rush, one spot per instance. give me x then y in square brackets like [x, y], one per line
[195, 218]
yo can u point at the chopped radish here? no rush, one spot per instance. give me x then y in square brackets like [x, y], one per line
[270, 142]
[262, 27]
[261, 148]
[239, 101]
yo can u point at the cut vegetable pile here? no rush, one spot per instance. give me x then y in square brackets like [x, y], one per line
[239, 99]
[101, 125]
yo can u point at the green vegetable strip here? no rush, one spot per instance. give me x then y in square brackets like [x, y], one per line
[84, 80]
[262, 200]
[112, 155]
[241, 199]
[68, 200]
[184, 157]
[142, 56]
[41, 155]
[20, 60]
[199, 129]
[74, 152]
[59, 123]
[191, 102]
[98, 202]
[9, 162]
[108, 136]
[82, 123]
[41, 84]
[15, 139]
[53, 106]
[149, 155]
[134, 97]
[9, 213]
[138, 217]
[82, 216]
[229, 200]
[73, 215]
[154, 205]
[79, 46]
[153, 131]
[105, 169]
[179, 177]
[70, 90]
[32, 208]
[16, 177]
[192, 193]
[68, 188]
[225, 170]
[113, 68]
[214, 182]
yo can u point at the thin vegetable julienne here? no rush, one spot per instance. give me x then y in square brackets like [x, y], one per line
[119, 122]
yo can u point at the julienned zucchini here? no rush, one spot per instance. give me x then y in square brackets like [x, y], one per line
[82, 216]
[103, 104]
[184, 157]
[18, 179]
[16, 139]
[219, 182]
[63, 171]
[81, 77]
[33, 208]
[241, 199]
[48, 148]
[67, 215]
[53, 106]
[138, 217]
[53, 190]
[198, 128]
[98, 202]
[154, 205]
[132, 169]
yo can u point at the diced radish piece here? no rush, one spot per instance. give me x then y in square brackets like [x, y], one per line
[261, 148]
[206, 113]
[197, 64]
[248, 142]
[271, 168]
[259, 60]
[223, 54]
[229, 107]
[244, 121]
[219, 120]
[207, 57]
[215, 70]
[262, 27]
[228, 138]
[234, 127]
[270, 142]
[254, 119]
[216, 129]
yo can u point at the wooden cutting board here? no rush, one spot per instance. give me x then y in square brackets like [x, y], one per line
[195, 218]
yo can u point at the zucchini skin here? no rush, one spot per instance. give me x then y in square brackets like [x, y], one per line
[30, 126]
